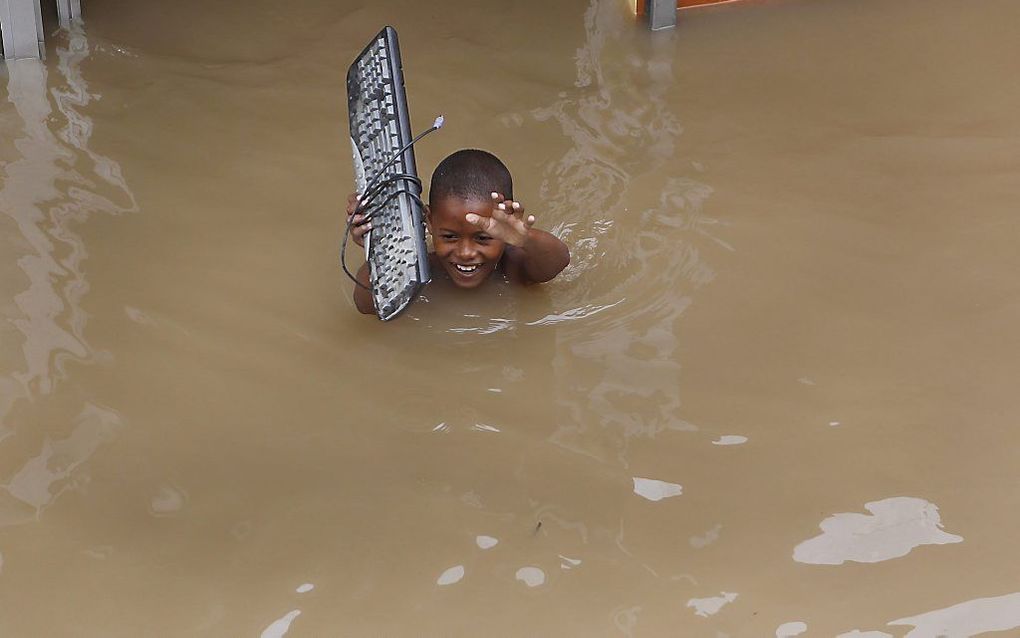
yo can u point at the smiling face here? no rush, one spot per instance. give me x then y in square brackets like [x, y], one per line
[468, 254]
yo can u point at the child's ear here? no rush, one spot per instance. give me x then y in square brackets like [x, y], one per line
[428, 217]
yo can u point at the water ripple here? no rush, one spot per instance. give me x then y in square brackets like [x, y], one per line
[56, 183]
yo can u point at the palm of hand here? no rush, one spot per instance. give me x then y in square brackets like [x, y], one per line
[507, 223]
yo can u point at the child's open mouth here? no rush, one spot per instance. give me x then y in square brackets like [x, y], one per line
[467, 269]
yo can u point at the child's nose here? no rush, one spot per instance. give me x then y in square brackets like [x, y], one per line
[465, 250]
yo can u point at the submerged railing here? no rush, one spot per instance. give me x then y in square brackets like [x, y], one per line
[21, 26]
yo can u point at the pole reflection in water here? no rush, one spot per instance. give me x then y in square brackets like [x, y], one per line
[48, 191]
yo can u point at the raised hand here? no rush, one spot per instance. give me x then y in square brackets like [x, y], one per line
[508, 222]
[358, 224]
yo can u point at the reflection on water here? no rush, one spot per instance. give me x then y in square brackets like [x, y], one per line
[281, 626]
[618, 206]
[786, 298]
[709, 537]
[790, 629]
[655, 490]
[574, 314]
[894, 527]
[47, 192]
[451, 575]
[569, 563]
[531, 576]
[730, 439]
[43, 478]
[168, 501]
[486, 542]
[710, 606]
[970, 618]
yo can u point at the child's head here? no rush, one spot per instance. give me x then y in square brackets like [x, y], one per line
[463, 183]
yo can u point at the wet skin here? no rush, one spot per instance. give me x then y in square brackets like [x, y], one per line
[467, 253]
[472, 238]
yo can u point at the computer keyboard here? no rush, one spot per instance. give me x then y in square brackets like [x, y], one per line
[380, 126]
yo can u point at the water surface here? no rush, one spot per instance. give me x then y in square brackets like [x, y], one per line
[772, 394]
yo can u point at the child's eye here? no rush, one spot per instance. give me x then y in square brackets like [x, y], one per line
[448, 236]
[483, 238]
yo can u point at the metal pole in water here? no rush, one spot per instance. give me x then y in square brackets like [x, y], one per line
[67, 11]
[661, 14]
[21, 26]
[21, 29]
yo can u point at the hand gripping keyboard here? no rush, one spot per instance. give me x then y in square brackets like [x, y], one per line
[387, 178]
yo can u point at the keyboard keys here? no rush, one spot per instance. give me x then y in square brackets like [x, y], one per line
[397, 255]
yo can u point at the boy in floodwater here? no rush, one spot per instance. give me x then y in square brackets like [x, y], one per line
[477, 228]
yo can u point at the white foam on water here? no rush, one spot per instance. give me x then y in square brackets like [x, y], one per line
[305, 588]
[970, 618]
[894, 527]
[706, 607]
[857, 633]
[451, 576]
[655, 490]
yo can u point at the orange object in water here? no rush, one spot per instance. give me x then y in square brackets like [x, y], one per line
[640, 5]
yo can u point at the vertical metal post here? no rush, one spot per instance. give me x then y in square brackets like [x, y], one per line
[67, 11]
[21, 29]
[63, 14]
[661, 14]
[40, 39]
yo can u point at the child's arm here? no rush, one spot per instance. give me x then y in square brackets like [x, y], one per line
[532, 254]
[359, 228]
[540, 258]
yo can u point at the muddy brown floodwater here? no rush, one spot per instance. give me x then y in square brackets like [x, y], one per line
[775, 392]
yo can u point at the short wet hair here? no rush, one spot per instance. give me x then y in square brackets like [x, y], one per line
[470, 173]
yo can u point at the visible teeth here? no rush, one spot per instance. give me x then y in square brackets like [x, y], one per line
[466, 269]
